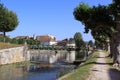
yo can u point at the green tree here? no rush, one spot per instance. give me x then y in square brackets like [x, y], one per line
[1, 39]
[103, 21]
[71, 40]
[14, 41]
[115, 12]
[8, 20]
[91, 43]
[7, 39]
[33, 42]
[21, 41]
[78, 40]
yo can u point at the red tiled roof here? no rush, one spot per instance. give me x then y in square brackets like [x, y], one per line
[22, 37]
[45, 38]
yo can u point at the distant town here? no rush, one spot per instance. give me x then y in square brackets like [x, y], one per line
[46, 40]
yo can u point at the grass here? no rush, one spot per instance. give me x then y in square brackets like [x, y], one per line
[7, 45]
[84, 70]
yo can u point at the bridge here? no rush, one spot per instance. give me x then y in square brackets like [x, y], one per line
[51, 47]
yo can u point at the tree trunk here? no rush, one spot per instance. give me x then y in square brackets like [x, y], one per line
[4, 34]
[117, 40]
[111, 52]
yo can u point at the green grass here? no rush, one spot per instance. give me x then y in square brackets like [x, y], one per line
[25, 63]
[7, 45]
[84, 70]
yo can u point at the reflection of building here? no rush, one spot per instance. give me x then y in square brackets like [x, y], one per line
[47, 40]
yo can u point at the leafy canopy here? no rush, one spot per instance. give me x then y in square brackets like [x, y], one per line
[97, 19]
[8, 19]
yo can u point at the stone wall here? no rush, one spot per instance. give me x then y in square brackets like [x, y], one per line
[20, 54]
[12, 55]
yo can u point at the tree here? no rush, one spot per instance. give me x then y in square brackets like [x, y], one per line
[99, 20]
[21, 41]
[78, 40]
[1, 39]
[14, 41]
[115, 11]
[8, 20]
[91, 43]
[71, 40]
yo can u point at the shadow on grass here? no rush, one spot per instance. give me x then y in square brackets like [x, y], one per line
[97, 63]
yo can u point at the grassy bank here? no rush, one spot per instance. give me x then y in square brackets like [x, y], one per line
[84, 70]
[7, 45]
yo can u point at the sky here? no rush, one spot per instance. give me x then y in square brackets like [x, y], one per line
[54, 17]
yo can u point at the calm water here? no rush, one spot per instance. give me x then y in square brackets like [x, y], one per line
[31, 72]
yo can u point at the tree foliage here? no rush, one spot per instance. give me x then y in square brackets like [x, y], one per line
[91, 43]
[32, 42]
[8, 19]
[97, 19]
[71, 40]
[103, 21]
[78, 40]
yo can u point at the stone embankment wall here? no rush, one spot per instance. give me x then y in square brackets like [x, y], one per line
[13, 55]
[20, 54]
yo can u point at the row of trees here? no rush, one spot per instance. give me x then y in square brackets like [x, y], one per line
[8, 19]
[104, 23]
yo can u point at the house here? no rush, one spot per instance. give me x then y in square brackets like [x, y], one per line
[63, 42]
[47, 40]
[66, 42]
[22, 37]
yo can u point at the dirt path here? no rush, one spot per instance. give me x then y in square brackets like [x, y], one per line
[101, 70]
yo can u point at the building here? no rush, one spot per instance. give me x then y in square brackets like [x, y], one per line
[22, 37]
[63, 42]
[47, 40]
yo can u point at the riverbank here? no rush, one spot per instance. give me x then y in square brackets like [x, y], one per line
[81, 73]
[102, 69]
[97, 68]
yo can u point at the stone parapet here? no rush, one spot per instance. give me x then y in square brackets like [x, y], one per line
[12, 55]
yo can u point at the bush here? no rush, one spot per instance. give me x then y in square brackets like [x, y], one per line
[14, 41]
[1, 39]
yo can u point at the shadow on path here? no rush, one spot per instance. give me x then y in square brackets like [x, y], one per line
[114, 74]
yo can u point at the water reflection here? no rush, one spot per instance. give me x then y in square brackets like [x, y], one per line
[31, 72]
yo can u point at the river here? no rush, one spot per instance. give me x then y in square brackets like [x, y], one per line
[33, 71]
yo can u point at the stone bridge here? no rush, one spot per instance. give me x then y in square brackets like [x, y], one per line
[51, 56]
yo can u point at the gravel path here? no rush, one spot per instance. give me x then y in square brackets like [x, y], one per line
[101, 70]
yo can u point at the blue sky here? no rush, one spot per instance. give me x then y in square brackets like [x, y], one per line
[53, 17]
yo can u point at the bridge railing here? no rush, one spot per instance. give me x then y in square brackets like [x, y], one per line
[50, 47]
